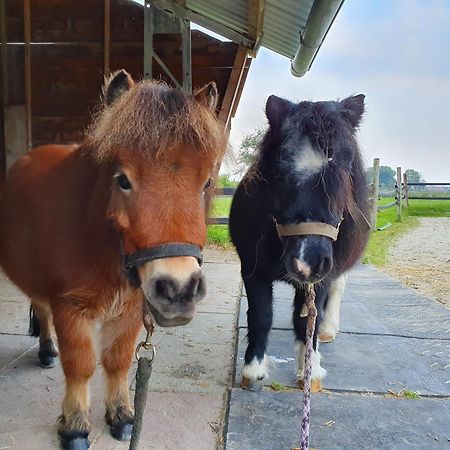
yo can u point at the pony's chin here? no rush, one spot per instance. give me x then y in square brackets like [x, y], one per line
[164, 321]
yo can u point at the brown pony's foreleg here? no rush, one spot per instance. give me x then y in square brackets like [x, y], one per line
[47, 348]
[118, 343]
[78, 361]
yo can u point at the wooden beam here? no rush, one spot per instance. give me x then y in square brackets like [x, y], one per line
[256, 9]
[4, 88]
[27, 38]
[231, 92]
[187, 14]
[107, 37]
[186, 54]
[149, 23]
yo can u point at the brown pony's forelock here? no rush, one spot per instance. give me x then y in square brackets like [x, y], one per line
[150, 118]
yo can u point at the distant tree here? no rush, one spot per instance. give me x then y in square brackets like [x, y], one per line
[414, 176]
[224, 181]
[247, 150]
[387, 176]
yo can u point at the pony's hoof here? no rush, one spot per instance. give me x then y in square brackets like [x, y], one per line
[76, 443]
[47, 362]
[251, 385]
[121, 431]
[316, 385]
[325, 338]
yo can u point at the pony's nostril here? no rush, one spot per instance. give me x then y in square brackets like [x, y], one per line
[165, 288]
[325, 265]
[196, 286]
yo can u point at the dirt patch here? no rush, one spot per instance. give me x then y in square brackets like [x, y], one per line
[421, 259]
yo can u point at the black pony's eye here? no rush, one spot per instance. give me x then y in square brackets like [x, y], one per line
[322, 143]
[123, 182]
[207, 185]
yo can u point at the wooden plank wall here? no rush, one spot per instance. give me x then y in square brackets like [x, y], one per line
[67, 60]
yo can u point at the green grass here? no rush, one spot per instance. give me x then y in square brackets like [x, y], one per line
[218, 234]
[411, 394]
[276, 386]
[221, 207]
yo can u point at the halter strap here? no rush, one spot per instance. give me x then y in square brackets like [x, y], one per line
[303, 228]
[142, 256]
[161, 251]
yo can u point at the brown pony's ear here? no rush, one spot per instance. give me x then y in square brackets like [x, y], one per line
[117, 83]
[208, 95]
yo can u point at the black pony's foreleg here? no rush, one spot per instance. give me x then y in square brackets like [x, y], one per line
[300, 323]
[259, 319]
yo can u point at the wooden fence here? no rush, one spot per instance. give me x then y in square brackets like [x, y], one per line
[375, 194]
[221, 192]
[401, 194]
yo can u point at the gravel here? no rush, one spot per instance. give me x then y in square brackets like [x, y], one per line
[420, 259]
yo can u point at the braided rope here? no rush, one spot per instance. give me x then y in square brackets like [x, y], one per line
[312, 313]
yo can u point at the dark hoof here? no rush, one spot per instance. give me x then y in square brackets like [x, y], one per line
[251, 385]
[74, 443]
[121, 431]
[47, 354]
[47, 362]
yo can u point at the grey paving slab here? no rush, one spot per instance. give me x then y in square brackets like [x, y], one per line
[364, 363]
[270, 420]
[191, 374]
[373, 303]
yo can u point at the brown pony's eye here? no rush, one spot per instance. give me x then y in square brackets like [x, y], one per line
[123, 182]
[207, 185]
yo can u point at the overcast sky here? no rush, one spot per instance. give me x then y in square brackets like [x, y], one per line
[396, 52]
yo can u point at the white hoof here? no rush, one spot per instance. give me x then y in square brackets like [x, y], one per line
[256, 370]
[328, 330]
[317, 372]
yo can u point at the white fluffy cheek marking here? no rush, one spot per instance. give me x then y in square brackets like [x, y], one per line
[317, 372]
[308, 162]
[256, 370]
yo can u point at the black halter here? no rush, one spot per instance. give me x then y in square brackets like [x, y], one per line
[142, 256]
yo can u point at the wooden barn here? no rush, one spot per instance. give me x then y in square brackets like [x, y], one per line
[58, 51]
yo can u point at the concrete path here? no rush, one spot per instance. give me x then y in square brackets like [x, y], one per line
[189, 387]
[392, 340]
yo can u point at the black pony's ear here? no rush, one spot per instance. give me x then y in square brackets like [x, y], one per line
[276, 109]
[118, 83]
[208, 95]
[353, 109]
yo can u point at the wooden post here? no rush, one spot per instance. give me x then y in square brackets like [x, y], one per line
[149, 24]
[375, 191]
[399, 193]
[3, 88]
[405, 188]
[107, 37]
[27, 39]
[186, 55]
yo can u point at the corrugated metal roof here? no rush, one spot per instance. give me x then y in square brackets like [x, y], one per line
[283, 20]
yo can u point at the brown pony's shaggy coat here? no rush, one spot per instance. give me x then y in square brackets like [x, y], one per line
[63, 210]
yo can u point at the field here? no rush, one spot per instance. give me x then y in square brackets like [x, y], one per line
[380, 241]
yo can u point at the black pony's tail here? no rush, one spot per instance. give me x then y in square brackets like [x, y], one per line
[35, 328]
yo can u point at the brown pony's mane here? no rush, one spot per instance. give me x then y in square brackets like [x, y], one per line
[151, 117]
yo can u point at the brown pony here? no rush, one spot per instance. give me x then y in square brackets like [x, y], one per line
[69, 214]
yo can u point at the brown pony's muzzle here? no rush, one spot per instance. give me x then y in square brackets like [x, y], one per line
[172, 287]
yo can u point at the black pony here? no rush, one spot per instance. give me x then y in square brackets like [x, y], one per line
[308, 168]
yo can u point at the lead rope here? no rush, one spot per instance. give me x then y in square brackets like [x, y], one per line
[312, 314]
[143, 372]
